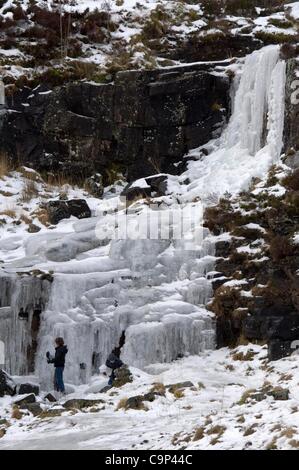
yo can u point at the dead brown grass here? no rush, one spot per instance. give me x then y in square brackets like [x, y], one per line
[24, 218]
[199, 434]
[16, 413]
[294, 443]
[240, 356]
[29, 191]
[9, 213]
[178, 394]
[42, 216]
[158, 388]
[217, 429]
[5, 165]
[122, 404]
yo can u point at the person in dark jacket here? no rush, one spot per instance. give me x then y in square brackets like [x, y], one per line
[59, 362]
[113, 362]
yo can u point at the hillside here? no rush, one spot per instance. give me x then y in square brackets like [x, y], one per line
[149, 202]
[92, 39]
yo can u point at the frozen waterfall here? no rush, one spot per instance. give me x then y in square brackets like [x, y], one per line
[153, 289]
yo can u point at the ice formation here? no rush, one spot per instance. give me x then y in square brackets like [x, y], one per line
[153, 289]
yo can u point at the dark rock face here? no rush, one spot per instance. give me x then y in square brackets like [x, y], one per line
[7, 385]
[280, 327]
[142, 124]
[28, 388]
[265, 306]
[291, 131]
[58, 210]
[278, 349]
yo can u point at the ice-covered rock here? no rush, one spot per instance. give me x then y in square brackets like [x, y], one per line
[154, 286]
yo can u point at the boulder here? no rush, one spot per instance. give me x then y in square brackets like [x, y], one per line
[280, 393]
[94, 185]
[80, 403]
[32, 228]
[26, 400]
[58, 210]
[178, 386]
[151, 396]
[7, 385]
[151, 186]
[134, 403]
[49, 397]
[137, 402]
[136, 192]
[79, 208]
[158, 184]
[122, 376]
[28, 388]
[34, 408]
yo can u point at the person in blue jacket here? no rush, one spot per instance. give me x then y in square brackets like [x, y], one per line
[59, 362]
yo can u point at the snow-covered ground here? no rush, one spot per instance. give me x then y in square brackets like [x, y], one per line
[215, 413]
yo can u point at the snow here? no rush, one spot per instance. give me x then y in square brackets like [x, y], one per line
[220, 380]
[294, 9]
[154, 288]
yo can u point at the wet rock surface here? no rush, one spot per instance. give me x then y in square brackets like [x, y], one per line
[28, 388]
[7, 385]
[58, 210]
[26, 400]
[141, 124]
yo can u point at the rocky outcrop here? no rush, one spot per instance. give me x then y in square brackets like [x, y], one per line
[291, 131]
[26, 400]
[257, 289]
[80, 403]
[123, 376]
[141, 124]
[28, 388]
[58, 210]
[7, 385]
